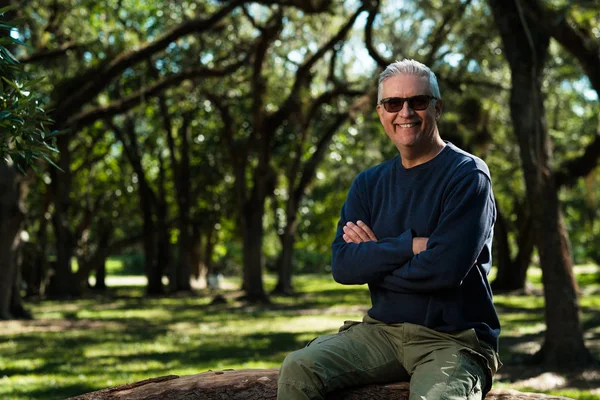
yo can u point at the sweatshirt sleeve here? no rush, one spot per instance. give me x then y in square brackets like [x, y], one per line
[356, 264]
[462, 238]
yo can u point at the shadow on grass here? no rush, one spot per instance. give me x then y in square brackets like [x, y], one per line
[247, 348]
[61, 392]
[64, 351]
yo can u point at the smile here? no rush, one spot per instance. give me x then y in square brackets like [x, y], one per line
[408, 125]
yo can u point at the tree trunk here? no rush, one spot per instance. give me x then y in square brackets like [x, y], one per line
[252, 226]
[285, 260]
[184, 270]
[196, 263]
[502, 249]
[512, 273]
[62, 282]
[260, 384]
[163, 237]
[93, 262]
[35, 271]
[526, 48]
[101, 276]
[209, 248]
[155, 286]
[11, 217]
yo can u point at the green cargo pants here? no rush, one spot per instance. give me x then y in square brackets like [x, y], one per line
[438, 365]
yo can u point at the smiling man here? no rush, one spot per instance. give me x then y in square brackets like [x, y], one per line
[418, 230]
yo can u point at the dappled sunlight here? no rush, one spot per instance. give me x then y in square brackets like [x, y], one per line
[52, 325]
[84, 345]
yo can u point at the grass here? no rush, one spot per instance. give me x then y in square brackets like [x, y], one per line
[84, 345]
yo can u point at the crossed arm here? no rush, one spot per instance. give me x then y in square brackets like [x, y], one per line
[360, 232]
[418, 264]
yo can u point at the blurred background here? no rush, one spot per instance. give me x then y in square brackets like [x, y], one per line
[189, 159]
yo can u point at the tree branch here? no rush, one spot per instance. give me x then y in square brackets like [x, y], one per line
[238, 154]
[443, 29]
[54, 53]
[310, 166]
[269, 33]
[89, 89]
[130, 147]
[381, 61]
[455, 84]
[308, 6]
[87, 117]
[570, 36]
[303, 73]
[89, 160]
[571, 170]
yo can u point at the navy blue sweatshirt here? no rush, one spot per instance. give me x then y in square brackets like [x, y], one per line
[448, 199]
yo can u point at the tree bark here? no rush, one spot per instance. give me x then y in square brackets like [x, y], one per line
[285, 265]
[147, 199]
[196, 263]
[93, 262]
[526, 48]
[252, 231]
[512, 273]
[62, 282]
[209, 249]
[11, 218]
[163, 239]
[184, 242]
[260, 384]
[101, 276]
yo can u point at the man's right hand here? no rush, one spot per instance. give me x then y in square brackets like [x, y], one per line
[419, 244]
[358, 233]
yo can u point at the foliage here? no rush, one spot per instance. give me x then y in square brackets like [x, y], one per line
[88, 344]
[24, 136]
[469, 62]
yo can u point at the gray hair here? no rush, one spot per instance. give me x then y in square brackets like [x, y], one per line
[409, 67]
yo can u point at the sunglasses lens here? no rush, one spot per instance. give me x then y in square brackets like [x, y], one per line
[419, 102]
[394, 104]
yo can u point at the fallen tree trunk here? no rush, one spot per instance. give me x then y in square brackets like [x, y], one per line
[257, 384]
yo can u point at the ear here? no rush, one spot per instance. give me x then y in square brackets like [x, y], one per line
[380, 112]
[438, 109]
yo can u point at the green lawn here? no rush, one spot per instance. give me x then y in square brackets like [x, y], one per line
[83, 345]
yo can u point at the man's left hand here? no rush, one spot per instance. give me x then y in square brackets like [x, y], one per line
[358, 233]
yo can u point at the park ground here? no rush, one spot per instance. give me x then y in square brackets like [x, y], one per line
[119, 336]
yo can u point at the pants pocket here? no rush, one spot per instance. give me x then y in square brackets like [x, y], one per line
[347, 325]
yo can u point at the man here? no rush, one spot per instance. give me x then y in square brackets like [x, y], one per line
[418, 230]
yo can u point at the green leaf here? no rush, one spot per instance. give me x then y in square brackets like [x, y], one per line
[51, 162]
[7, 55]
[11, 83]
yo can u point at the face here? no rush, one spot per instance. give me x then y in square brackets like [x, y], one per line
[409, 129]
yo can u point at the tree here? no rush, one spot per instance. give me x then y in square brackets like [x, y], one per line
[22, 141]
[526, 49]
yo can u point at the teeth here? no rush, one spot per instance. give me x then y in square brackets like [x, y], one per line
[408, 125]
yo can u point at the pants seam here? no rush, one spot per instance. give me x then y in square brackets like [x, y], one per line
[299, 385]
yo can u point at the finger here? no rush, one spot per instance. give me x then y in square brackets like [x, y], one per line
[359, 231]
[352, 236]
[368, 230]
[346, 238]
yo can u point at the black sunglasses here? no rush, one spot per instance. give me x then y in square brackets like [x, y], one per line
[417, 103]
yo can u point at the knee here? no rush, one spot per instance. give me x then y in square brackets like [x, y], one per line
[297, 365]
[298, 375]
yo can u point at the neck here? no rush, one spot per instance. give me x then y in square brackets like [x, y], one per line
[413, 156]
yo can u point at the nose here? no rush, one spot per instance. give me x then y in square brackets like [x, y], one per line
[406, 111]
